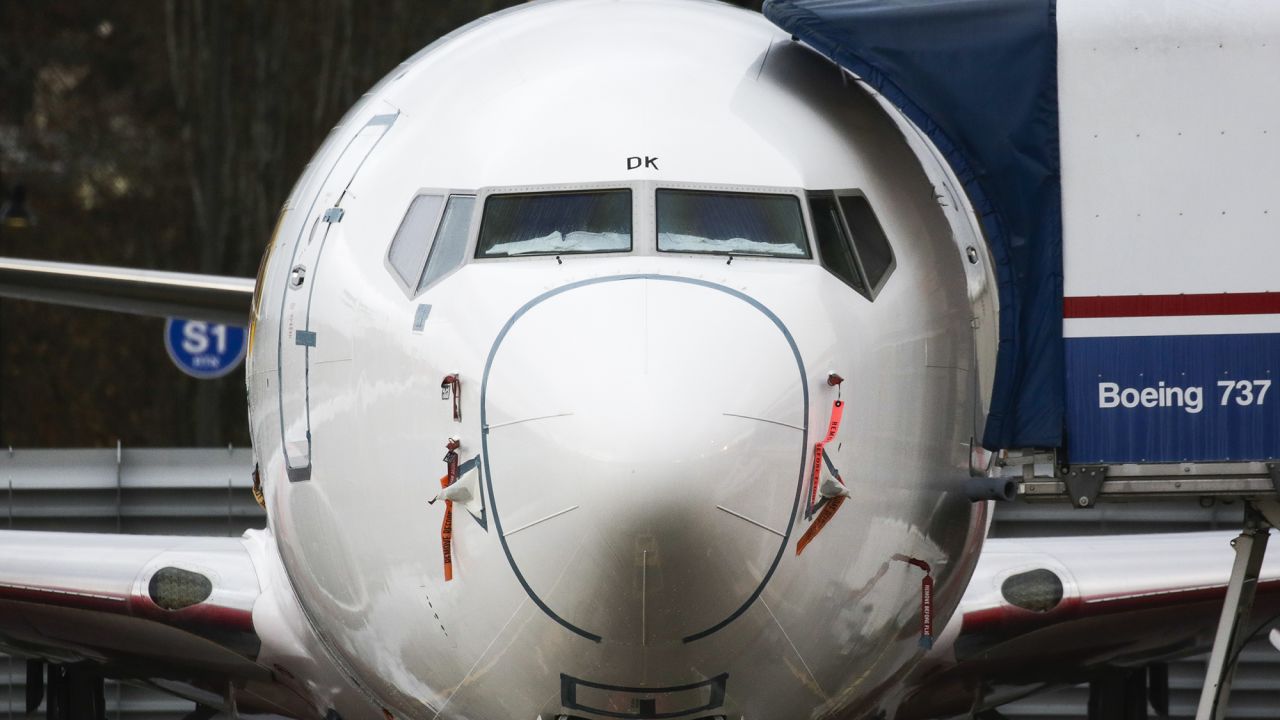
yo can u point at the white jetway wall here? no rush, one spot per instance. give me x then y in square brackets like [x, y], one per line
[207, 492]
[1169, 144]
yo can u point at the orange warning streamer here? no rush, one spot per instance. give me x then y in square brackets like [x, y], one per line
[446, 528]
[833, 427]
[926, 612]
[833, 504]
[824, 517]
[446, 533]
[926, 599]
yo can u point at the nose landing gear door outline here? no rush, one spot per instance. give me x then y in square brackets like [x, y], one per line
[297, 336]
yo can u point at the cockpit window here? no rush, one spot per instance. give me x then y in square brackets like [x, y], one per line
[835, 249]
[869, 238]
[724, 223]
[412, 242]
[851, 242]
[450, 247]
[556, 223]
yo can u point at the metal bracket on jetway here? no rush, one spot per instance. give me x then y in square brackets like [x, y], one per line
[1257, 481]
[1084, 482]
[1026, 464]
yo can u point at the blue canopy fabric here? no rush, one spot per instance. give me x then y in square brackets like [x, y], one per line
[979, 78]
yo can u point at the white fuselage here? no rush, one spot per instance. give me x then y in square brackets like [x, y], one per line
[642, 422]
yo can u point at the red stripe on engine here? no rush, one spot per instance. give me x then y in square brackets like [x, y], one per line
[1259, 303]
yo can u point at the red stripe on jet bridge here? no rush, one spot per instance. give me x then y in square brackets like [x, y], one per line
[1259, 303]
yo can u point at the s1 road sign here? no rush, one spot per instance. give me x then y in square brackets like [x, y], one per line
[202, 349]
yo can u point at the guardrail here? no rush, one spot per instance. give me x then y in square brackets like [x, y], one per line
[182, 491]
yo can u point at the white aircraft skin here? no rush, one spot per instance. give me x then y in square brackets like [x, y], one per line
[644, 422]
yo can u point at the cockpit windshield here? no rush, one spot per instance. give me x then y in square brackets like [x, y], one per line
[724, 223]
[555, 223]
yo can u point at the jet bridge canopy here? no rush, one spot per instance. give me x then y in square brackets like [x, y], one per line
[979, 77]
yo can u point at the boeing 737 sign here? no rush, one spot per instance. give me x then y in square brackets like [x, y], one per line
[1172, 398]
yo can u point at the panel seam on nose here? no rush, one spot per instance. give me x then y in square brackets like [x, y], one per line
[760, 525]
[764, 420]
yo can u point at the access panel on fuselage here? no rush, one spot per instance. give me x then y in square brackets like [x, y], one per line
[298, 336]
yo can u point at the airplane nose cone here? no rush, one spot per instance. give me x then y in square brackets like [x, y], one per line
[643, 451]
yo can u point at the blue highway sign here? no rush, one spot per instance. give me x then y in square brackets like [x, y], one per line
[202, 349]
